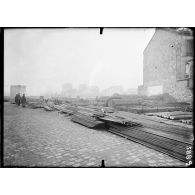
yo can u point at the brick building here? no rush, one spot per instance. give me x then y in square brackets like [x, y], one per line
[14, 89]
[168, 63]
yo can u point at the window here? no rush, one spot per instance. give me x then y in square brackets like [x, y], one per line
[184, 69]
[187, 70]
[189, 48]
[190, 83]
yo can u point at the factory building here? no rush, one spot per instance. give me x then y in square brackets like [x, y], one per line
[168, 64]
[14, 89]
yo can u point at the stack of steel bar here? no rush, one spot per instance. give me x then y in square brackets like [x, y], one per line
[87, 120]
[146, 121]
[171, 115]
[184, 116]
[57, 107]
[166, 138]
[147, 109]
[109, 118]
[177, 115]
[189, 122]
[35, 105]
[165, 144]
[94, 112]
[69, 110]
[47, 108]
[107, 109]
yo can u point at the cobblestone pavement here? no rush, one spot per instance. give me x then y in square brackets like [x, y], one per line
[36, 138]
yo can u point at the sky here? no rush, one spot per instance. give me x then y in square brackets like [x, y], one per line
[44, 59]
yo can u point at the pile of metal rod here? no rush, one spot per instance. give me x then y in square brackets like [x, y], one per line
[166, 138]
[87, 120]
[35, 105]
[109, 118]
[47, 108]
[189, 122]
[156, 123]
[65, 109]
[173, 147]
[91, 111]
[147, 109]
[170, 114]
[184, 117]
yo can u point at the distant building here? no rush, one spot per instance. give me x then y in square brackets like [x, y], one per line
[66, 90]
[14, 89]
[168, 64]
[131, 91]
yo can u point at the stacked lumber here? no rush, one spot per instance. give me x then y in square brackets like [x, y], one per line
[86, 120]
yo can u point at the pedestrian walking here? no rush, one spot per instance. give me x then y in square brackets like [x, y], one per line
[23, 100]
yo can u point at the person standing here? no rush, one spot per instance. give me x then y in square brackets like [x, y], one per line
[23, 100]
[19, 99]
[16, 99]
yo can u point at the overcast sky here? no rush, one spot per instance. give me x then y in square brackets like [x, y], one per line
[44, 59]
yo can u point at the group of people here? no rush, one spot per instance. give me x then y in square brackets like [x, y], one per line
[20, 100]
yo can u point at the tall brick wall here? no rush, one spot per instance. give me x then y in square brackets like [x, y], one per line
[164, 63]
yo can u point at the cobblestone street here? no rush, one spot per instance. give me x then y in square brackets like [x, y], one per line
[36, 138]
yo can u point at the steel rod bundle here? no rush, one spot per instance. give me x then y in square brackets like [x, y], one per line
[146, 121]
[187, 121]
[35, 105]
[176, 117]
[87, 121]
[168, 114]
[47, 108]
[164, 144]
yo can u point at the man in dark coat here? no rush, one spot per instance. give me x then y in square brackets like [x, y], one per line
[23, 100]
[19, 99]
[16, 99]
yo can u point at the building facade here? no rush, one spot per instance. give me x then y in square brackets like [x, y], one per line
[14, 89]
[168, 64]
